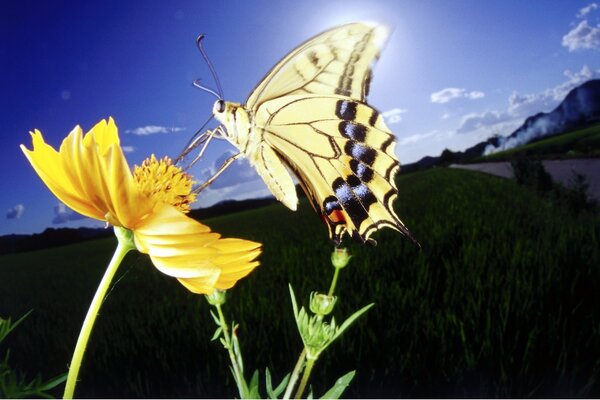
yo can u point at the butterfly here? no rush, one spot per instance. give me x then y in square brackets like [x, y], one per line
[309, 115]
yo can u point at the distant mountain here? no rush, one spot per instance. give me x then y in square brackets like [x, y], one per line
[53, 237]
[580, 108]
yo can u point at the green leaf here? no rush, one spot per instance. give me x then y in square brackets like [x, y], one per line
[274, 394]
[53, 382]
[294, 304]
[339, 386]
[217, 334]
[269, 384]
[350, 320]
[6, 326]
[217, 320]
[253, 387]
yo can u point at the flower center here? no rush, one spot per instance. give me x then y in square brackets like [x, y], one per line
[162, 181]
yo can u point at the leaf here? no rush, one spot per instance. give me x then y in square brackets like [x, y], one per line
[269, 384]
[253, 387]
[339, 386]
[274, 394]
[350, 320]
[217, 334]
[53, 382]
[217, 320]
[6, 326]
[294, 304]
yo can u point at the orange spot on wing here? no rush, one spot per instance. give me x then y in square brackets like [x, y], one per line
[336, 216]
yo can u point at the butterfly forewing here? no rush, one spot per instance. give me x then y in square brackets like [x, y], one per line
[336, 62]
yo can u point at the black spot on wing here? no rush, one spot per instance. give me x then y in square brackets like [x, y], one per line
[354, 131]
[360, 152]
[361, 170]
[345, 110]
[349, 201]
[361, 191]
[331, 204]
[373, 117]
[387, 198]
[312, 57]
[387, 143]
[367, 84]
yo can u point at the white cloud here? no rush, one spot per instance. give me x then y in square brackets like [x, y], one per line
[583, 36]
[473, 121]
[416, 138]
[394, 115]
[128, 149]
[153, 129]
[524, 105]
[475, 95]
[448, 94]
[15, 212]
[586, 10]
[63, 214]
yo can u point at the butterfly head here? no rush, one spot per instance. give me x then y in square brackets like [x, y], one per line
[235, 119]
[226, 112]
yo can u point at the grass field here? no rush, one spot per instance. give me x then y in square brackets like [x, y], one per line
[580, 143]
[502, 301]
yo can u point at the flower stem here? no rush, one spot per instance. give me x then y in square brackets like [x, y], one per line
[295, 374]
[90, 318]
[239, 378]
[307, 370]
[334, 281]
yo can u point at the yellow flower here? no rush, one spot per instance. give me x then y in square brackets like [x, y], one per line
[90, 175]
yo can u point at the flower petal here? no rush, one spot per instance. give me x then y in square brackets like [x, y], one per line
[90, 174]
[184, 248]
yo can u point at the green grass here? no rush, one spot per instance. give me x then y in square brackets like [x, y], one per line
[577, 144]
[502, 301]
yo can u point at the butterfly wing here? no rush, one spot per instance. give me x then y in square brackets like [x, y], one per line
[335, 62]
[343, 154]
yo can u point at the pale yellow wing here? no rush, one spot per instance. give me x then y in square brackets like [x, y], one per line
[275, 175]
[335, 62]
[343, 155]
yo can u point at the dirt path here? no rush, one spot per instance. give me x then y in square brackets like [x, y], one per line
[560, 170]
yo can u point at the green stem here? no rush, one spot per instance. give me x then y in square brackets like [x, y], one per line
[307, 370]
[334, 281]
[239, 378]
[295, 374]
[90, 318]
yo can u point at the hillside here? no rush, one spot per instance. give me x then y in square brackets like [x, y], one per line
[500, 302]
[579, 109]
[580, 143]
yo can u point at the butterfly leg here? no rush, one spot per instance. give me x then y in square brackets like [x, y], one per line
[210, 135]
[226, 164]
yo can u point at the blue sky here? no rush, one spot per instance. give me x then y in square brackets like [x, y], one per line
[452, 74]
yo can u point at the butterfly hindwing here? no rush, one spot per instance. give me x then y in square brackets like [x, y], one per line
[342, 153]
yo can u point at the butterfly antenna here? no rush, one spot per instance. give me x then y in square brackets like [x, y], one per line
[210, 65]
[197, 84]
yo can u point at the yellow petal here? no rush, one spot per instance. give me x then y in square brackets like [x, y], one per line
[186, 249]
[177, 244]
[90, 174]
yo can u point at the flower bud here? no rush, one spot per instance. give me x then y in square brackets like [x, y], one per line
[321, 304]
[340, 258]
[217, 297]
